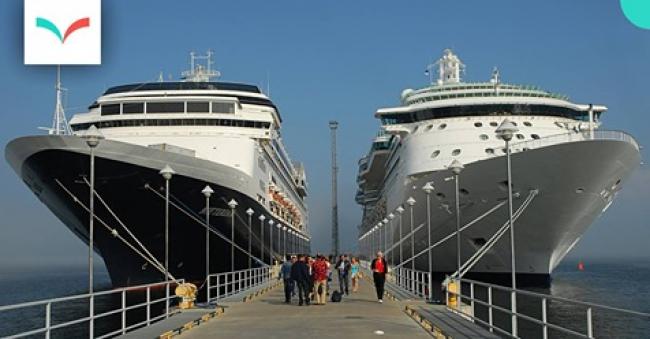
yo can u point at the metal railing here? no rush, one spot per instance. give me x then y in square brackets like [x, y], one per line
[418, 283]
[574, 137]
[543, 299]
[50, 325]
[225, 284]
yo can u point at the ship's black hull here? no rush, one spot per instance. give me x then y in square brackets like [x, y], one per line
[123, 187]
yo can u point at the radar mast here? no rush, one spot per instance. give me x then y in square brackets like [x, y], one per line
[199, 72]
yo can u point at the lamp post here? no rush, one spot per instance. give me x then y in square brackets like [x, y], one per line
[385, 223]
[505, 131]
[232, 204]
[207, 192]
[400, 210]
[262, 217]
[271, 222]
[284, 241]
[456, 167]
[279, 227]
[167, 172]
[391, 216]
[250, 236]
[410, 201]
[379, 241]
[92, 136]
[428, 188]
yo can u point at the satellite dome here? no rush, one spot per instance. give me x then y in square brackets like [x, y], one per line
[406, 93]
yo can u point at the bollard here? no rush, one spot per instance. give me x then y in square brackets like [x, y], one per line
[452, 300]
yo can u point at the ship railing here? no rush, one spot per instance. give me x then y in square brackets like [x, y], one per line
[481, 299]
[225, 284]
[574, 137]
[154, 294]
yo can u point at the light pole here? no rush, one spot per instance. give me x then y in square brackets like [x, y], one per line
[379, 241]
[232, 204]
[400, 210]
[250, 236]
[391, 216]
[207, 192]
[279, 245]
[456, 167]
[262, 217]
[284, 242]
[92, 136]
[167, 172]
[410, 201]
[428, 188]
[385, 223]
[271, 222]
[505, 131]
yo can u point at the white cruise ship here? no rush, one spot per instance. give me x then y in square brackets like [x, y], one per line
[566, 170]
[225, 135]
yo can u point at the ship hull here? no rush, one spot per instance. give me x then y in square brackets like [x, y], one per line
[130, 188]
[574, 183]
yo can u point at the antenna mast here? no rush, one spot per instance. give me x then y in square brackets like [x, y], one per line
[59, 122]
[335, 209]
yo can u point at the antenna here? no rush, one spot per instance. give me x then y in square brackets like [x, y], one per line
[268, 84]
[198, 72]
[59, 122]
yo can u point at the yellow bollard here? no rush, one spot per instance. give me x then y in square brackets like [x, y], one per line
[452, 289]
[186, 291]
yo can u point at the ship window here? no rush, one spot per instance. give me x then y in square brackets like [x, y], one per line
[455, 152]
[110, 109]
[198, 107]
[429, 127]
[440, 196]
[483, 136]
[489, 151]
[223, 107]
[534, 136]
[494, 124]
[442, 126]
[415, 129]
[520, 136]
[165, 107]
[478, 124]
[527, 123]
[435, 153]
[133, 108]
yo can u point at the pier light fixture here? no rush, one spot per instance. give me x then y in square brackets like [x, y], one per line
[284, 242]
[207, 192]
[92, 136]
[271, 222]
[411, 202]
[167, 172]
[391, 216]
[505, 131]
[232, 204]
[261, 218]
[456, 167]
[400, 210]
[250, 212]
[428, 188]
[385, 223]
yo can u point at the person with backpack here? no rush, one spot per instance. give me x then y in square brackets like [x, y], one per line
[319, 273]
[285, 275]
[379, 268]
[300, 277]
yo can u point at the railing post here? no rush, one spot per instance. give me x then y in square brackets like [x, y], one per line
[48, 319]
[430, 286]
[471, 296]
[148, 305]
[544, 320]
[490, 308]
[91, 329]
[590, 329]
[208, 289]
[167, 299]
[123, 311]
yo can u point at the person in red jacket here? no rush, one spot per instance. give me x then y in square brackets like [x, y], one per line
[319, 273]
[379, 267]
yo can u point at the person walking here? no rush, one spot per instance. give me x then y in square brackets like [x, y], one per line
[285, 275]
[379, 267]
[355, 273]
[343, 267]
[319, 272]
[301, 278]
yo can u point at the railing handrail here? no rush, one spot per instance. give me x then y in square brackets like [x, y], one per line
[84, 296]
[552, 297]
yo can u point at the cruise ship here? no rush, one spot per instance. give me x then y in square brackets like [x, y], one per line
[566, 171]
[218, 134]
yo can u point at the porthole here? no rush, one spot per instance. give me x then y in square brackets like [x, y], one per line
[483, 137]
[478, 124]
[463, 191]
[580, 190]
[489, 151]
[504, 151]
[527, 124]
[534, 136]
[455, 152]
[415, 129]
[440, 196]
[435, 153]
[429, 127]
[442, 126]
[520, 136]
[494, 124]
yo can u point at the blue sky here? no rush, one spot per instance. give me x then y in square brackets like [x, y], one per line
[338, 60]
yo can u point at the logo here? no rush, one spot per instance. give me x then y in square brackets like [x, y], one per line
[62, 32]
[50, 26]
[637, 12]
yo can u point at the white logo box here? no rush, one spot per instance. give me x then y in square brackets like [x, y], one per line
[81, 47]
